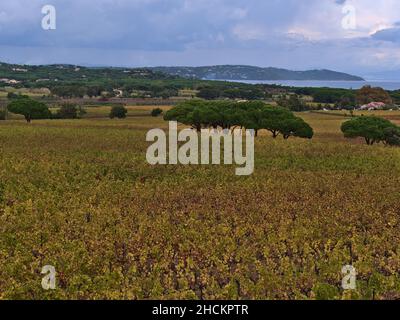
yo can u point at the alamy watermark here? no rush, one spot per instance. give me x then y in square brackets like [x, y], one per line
[349, 21]
[188, 153]
[49, 280]
[350, 278]
[49, 21]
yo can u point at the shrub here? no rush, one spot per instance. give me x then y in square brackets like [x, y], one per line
[118, 112]
[324, 291]
[3, 115]
[68, 111]
[156, 112]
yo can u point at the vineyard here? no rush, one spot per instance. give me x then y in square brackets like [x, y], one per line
[79, 195]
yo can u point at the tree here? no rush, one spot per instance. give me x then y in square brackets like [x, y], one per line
[118, 112]
[254, 115]
[293, 104]
[392, 136]
[296, 127]
[372, 129]
[12, 95]
[280, 121]
[345, 103]
[367, 94]
[30, 109]
[156, 112]
[209, 93]
[68, 111]
[273, 118]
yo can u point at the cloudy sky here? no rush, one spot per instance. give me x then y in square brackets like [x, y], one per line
[357, 36]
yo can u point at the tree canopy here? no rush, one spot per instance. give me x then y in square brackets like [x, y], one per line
[29, 108]
[372, 129]
[254, 115]
[368, 94]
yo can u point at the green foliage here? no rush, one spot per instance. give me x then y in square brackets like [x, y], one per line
[68, 111]
[392, 136]
[118, 111]
[243, 93]
[254, 115]
[3, 114]
[327, 95]
[296, 127]
[209, 93]
[13, 95]
[324, 291]
[156, 112]
[30, 109]
[293, 104]
[372, 129]
[368, 94]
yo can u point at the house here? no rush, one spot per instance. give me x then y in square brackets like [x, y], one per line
[9, 81]
[373, 106]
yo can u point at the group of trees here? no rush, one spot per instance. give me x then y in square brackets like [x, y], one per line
[373, 130]
[218, 92]
[327, 95]
[369, 94]
[348, 98]
[34, 110]
[254, 115]
[69, 111]
[293, 103]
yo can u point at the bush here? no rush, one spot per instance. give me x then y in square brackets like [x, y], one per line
[118, 112]
[2, 115]
[324, 291]
[156, 112]
[12, 95]
[68, 111]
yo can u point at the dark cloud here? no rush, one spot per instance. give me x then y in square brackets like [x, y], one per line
[296, 34]
[390, 34]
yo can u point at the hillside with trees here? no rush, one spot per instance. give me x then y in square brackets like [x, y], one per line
[238, 72]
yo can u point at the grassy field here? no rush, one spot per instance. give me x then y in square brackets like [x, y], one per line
[80, 195]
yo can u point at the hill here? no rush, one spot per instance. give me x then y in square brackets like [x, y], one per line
[238, 72]
[63, 72]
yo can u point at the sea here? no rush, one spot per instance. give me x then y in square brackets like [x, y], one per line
[387, 85]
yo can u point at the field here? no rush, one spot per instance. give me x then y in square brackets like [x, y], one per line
[79, 195]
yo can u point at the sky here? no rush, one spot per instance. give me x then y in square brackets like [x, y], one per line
[356, 36]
